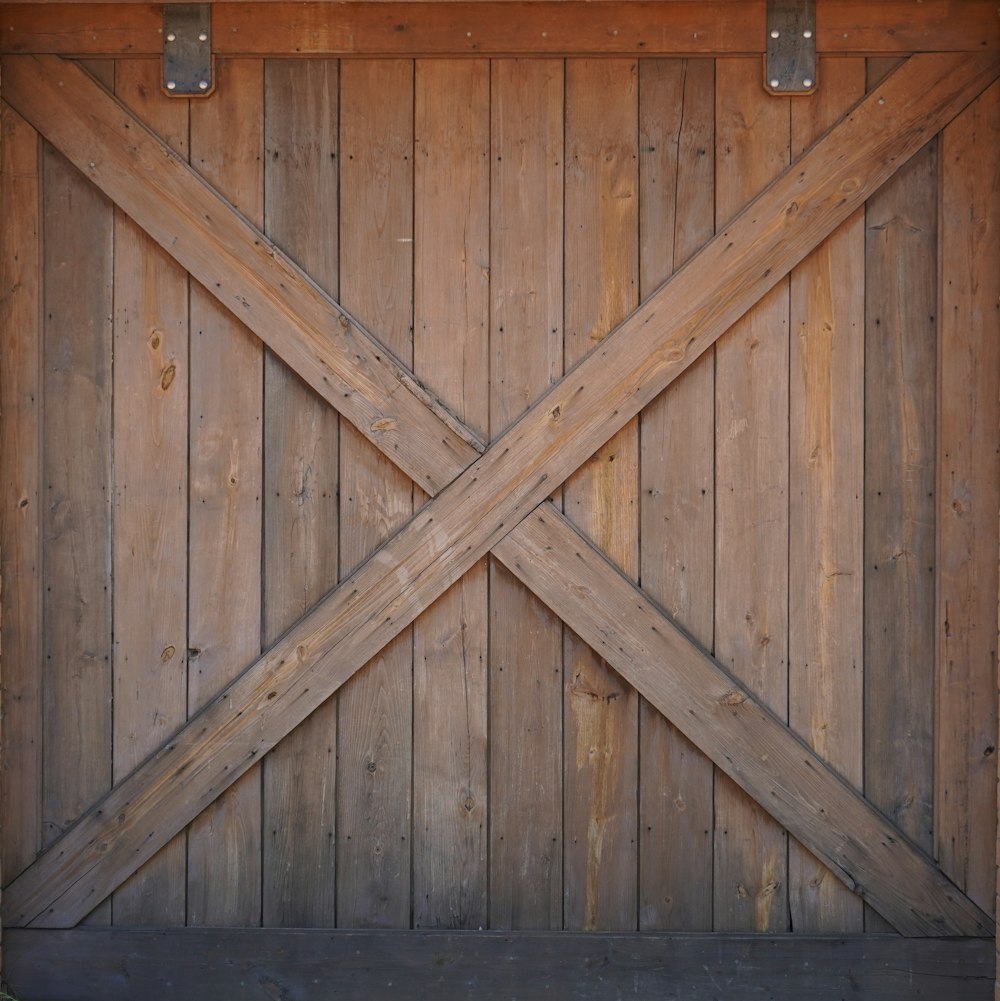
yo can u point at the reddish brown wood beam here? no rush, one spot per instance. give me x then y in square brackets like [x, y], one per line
[500, 27]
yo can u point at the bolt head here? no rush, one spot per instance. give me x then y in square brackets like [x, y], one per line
[775, 33]
[807, 82]
[203, 85]
[171, 85]
[202, 37]
[775, 83]
[171, 36]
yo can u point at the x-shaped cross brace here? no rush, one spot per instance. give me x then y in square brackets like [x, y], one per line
[492, 499]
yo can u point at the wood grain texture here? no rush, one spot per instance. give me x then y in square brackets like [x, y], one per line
[968, 479]
[501, 27]
[76, 473]
[526, 354]
[258, 965]
[224, 613]
[376, 708]
[677, 491]
[826, 520]
[751, 522]
[448, 535]
[150, 385]
[243, 269]
[301, 483]
[20, 492]
[900, 400]
[748, 742]
[600, 712]
[451, 356]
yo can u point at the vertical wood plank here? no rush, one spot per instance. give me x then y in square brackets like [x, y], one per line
[150, 502]
[826, 470]
[224, 848]
[20, 504]
[77, 247]
[967, 497]
[525, 358]
[451, 345]
[677, 493]
[376, 706]
[900, 402]
[600, 853]
[751, 541]
[301, 481]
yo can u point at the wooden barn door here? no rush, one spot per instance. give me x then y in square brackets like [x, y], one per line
[483, 477]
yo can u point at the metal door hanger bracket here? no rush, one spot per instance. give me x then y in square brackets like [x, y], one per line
[790, 65]
[188, 64]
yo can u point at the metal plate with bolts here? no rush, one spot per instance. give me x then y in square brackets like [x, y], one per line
[790, 66]
[188, 66]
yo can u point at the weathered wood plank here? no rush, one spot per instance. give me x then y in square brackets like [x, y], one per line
[224, 616]
[677, 493]
[301, 481]
[968, 479]
[374, 779]
[526, 356]
[900, 401]
[600, 712]
[203, 965]
[21, 499]
[745, 738]
[751, 519]
[451, 355]
[826, 469]
[77, 249]
[500, 27]
[150, 502]
[242, 268]
[448, 535]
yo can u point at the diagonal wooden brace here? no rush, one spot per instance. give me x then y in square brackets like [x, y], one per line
[481, 509]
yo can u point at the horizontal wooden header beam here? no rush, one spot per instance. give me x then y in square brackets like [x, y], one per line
[500, 27]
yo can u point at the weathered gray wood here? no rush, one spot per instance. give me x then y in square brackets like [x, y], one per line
[826, 462]
[204, 965]
[677, 491]
[451, 301]
[301, 481]
[526, 355]
[646, 352]
[151, 375]
[751, 498]
[376, 708]
[900, 455]
[600, 712]
[76, 479]
[225, 477]
[20, 492]
[968, 483]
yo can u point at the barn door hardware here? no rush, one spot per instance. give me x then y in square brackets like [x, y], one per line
[790, 66]
[188, 65]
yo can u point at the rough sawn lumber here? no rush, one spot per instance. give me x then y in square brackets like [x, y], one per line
[487, 501]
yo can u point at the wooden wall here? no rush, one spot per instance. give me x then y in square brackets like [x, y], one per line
[814, 501]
